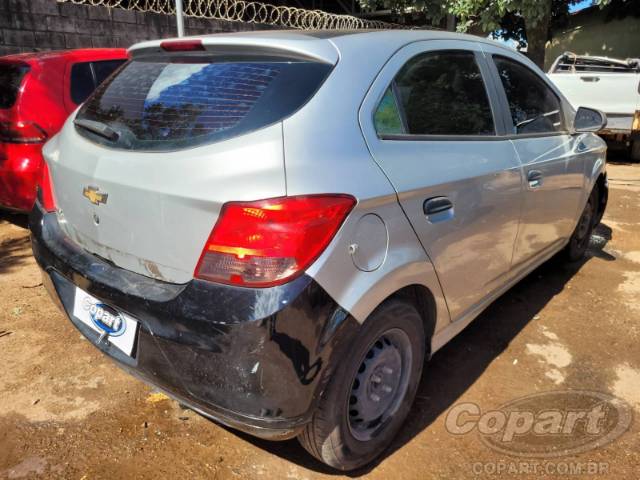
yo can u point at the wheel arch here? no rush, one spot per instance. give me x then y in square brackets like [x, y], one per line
[425, 303]
[603, 195]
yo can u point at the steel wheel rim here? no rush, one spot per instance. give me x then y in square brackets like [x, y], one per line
[380, 384]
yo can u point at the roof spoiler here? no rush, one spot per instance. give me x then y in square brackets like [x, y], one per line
[234, 45]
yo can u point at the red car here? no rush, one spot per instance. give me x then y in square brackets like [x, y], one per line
[38, 91]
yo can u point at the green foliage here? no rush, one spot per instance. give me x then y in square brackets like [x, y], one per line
[431, 10]
[486, 15]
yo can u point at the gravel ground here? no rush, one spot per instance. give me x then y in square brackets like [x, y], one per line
[67, 412]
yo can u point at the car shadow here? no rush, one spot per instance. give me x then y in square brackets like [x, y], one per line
[19, 219]
[14, 251]
[468, 354]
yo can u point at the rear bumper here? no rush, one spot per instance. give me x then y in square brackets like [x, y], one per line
[253, 359]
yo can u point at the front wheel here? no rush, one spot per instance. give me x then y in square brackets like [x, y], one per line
[579, 241]
[370, 394]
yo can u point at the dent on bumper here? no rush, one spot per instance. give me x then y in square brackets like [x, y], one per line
[253, 359]
[20, 166]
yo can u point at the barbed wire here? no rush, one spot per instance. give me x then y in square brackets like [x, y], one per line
[246, 11]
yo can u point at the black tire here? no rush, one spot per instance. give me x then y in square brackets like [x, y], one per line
[579, 241]
[334, 435]
[634, 151]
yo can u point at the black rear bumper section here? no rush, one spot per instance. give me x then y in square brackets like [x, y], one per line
[253, 359]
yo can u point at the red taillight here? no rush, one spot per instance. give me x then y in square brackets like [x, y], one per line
[45, 190]
[182, 45]
[268, 242]
[21, 132]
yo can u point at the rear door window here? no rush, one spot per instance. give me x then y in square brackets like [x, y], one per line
[11, 76]
[82, 83]
[104, 68]
[387, 117]
[86, 76]
[438, 93]
[534, 107]
[159, 104]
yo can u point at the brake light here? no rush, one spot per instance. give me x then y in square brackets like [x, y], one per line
[45, 190]
[182, 45]
[269, 242]
[21, 132]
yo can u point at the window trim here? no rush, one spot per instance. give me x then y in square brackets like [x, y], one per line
[504, 101]
[401, 113]
[468, 138]
[487, 80]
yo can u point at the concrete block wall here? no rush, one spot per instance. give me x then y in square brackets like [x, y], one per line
[32, 25]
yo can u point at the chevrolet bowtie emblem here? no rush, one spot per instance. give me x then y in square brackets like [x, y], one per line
[94, 196]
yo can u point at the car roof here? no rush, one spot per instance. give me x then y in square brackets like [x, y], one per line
[81, 54]
[397, 35]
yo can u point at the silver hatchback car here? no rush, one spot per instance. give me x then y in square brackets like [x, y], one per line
[279, 228]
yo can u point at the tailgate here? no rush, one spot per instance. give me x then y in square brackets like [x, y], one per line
[151, 213]
[141, 172]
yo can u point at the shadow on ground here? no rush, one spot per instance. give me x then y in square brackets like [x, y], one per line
[14, 252]
[454, 368]
[18, 219]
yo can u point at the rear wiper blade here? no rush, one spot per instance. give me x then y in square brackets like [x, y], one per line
[98, 128]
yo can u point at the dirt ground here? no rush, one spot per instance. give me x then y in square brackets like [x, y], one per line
[67, 412]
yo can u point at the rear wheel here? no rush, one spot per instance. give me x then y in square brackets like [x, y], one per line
[370, 395]
[634, 151]
[579, 241]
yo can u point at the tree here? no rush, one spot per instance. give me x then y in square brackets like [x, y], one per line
[535, 16]
[528, 22]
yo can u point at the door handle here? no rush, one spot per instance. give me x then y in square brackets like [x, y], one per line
[435, 205]
[590, 79]
[535, 178]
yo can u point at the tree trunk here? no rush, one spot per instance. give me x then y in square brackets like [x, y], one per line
[537, 34]
[451, 23]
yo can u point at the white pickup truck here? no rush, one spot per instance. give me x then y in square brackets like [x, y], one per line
[610, 85]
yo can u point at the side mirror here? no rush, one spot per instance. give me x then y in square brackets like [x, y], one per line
[589, 120]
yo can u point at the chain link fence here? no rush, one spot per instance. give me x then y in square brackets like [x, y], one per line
[246, 11]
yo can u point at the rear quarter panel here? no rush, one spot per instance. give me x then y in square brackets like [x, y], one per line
[325, 152]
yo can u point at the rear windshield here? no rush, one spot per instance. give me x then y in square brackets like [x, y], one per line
[11, 76]
[155, 105]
